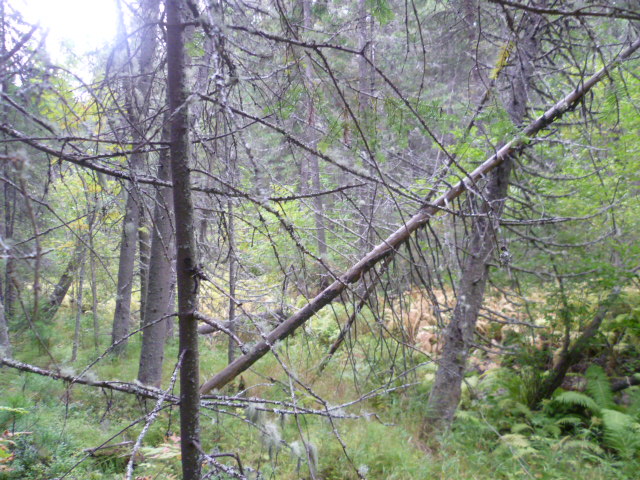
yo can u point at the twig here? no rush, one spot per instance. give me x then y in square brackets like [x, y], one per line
[151, 418]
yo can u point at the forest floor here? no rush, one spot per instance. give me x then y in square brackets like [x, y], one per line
[51, 430]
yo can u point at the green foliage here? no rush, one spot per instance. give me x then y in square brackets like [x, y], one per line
[586, 425]
[599, 387]
[287, 104]
[577, 399]
[621, 432]
[381, 10]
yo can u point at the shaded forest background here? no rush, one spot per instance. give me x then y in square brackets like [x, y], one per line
[311, 239]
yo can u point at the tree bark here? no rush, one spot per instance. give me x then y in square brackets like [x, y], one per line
[9, 217]
[626, 382]
[160, 282]
[9, 192]
[314, 165]
[233, 275]
[187, 267]
[144, 247]
[94, 296]
[367, 122]
[5, 343]
[459, 333]
[122, 313]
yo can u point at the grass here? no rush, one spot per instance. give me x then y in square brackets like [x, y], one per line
[62, 423]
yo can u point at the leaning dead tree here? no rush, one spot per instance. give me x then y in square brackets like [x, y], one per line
[391, 244]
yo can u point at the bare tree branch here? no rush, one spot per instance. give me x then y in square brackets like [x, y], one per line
[389, 246]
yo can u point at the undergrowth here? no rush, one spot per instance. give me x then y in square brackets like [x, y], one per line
[51, 430]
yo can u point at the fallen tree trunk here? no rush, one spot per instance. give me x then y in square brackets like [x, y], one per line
[626, 382]
[389, 246]
[140, 390]
[211, 402]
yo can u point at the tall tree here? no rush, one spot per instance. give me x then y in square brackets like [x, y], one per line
[161, 278]
[311, 136]
[144, 246]
[390, 245]
[137, 90]
[188, 269]
[486, 207]
[8, 191]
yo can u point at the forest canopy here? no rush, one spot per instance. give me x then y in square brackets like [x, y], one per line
[313, 239]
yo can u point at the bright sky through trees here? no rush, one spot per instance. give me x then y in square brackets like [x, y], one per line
[83, 25]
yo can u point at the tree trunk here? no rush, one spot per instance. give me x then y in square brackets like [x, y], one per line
[144, 246]
[171, 321]
[9, 217]
[312, 136]
[9, 192]
[122, 313]
[137, 100]
[5, 343]
[233, 274]
[187, 267]
[62, 287]
[367, 123]
[159, 296]
[76, 334]
[459, 333]
[94, 296]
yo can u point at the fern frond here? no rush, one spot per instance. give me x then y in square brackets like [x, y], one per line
[468, 416]
[569, 444]
[521, 427]
[13, 410]
[523, 409]
[515, 440]
[519, 445]
[577, 399]
[614, 420]
[621, 432]
[572, 420]
[599, 387]
[634, 403]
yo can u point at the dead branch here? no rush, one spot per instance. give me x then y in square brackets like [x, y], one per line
[390, 245]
